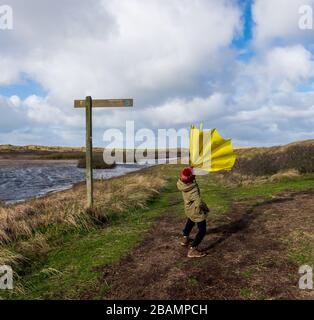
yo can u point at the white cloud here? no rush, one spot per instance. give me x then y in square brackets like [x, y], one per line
[114, 48]
[293, 64]
[278, 70]
[9, 70]
[181, 111]
[11, 117]
[267, 103]
[39, 110]
[279, 20]
[15, 100]
[152, 51]
[173, 57]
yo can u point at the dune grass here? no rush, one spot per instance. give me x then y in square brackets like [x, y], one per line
[58, 248]
[31, 230]
[57, 254]
[68, 208]
[63, 258]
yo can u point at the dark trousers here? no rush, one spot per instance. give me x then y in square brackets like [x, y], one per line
[201, 231]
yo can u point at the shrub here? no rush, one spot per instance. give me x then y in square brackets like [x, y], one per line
[98, 163]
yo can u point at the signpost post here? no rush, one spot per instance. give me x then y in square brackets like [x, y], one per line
[89, 104]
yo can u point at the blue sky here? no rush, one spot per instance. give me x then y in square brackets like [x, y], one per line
[23, 88]
[243, 40]
[244, 67]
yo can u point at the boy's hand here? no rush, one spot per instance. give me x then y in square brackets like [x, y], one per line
[204, 207]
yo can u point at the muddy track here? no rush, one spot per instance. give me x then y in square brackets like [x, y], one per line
[247, 256]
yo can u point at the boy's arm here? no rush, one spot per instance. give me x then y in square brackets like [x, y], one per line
[198, 202]
[201, 204]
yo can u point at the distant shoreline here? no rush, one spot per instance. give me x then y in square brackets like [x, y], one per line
[62, 155]
[15, 162]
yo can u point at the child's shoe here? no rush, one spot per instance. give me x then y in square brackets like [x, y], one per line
[194, 253]
[185, 241]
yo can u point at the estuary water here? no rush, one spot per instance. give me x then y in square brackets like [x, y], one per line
[21, 180]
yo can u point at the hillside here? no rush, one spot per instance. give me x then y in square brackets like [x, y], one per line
[251, 152]
[247, 151]
[35, 152]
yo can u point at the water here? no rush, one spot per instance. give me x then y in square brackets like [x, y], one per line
[23, 180]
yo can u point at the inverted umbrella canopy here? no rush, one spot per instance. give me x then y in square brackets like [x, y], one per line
[209, 152]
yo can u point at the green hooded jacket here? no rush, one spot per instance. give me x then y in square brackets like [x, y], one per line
[195, 208]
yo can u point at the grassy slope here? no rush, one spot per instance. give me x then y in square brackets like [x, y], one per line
[68, 268]
[71, 267]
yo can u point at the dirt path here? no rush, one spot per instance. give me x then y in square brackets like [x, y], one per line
[248, 256]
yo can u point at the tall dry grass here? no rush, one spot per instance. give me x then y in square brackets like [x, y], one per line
[8, 257]
[23, 233]
[68, 207]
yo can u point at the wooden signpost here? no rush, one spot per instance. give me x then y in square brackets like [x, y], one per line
[89, 104]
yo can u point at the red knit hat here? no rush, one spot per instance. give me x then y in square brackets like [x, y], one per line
[187, 175]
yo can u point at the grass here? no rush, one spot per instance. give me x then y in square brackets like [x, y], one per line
[81, 255]
[71, 265]
[66, 265]
[58, 233]
[220, 195]
[112, 198]
[192, 282]
[249, 273]
[246, 293]
[301, 249]
[58, 248]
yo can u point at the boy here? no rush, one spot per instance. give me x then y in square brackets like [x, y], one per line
[196, 211]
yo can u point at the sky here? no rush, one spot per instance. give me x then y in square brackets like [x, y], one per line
[241, 66]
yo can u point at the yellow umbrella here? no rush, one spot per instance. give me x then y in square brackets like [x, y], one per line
[209, 151]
